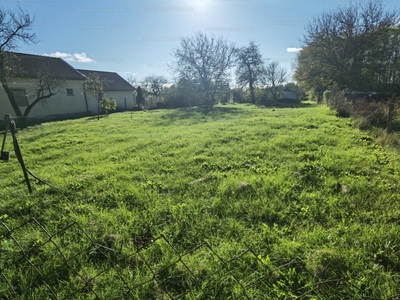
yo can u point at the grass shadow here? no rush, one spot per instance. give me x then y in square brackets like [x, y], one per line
[96, 117]
[200, 113]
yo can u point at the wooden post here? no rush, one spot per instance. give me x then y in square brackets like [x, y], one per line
[18, 152]
[5, 133]
[390, 114]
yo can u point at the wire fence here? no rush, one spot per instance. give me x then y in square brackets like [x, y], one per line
[38, 264]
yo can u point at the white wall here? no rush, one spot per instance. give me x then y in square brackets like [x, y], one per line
[121, 97]
[289, 95]
[56, 105]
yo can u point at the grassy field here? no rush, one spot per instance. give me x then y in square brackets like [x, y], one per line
[240, 202]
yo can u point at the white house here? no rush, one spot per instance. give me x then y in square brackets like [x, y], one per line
[115, 87]
[23, 74]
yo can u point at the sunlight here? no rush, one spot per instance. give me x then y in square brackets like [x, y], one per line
[201, 5]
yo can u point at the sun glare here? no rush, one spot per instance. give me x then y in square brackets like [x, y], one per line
[202, 5]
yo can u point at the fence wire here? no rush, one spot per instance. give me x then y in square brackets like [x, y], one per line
[38, 264]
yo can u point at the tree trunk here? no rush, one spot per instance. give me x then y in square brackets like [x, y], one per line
[253, 98]
[11, 98]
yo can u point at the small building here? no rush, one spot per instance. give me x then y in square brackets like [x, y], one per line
[288, 95]
[27, 73]
[115, 87]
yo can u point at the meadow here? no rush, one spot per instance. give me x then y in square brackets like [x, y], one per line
[240, 202]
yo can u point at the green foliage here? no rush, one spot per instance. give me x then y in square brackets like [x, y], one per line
[183, 94]
[327, 97]
[316, 201]
[95, 86]
[108, 104]
[355, 46]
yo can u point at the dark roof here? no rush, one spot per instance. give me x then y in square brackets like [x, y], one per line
[34, 66]
[111, 81]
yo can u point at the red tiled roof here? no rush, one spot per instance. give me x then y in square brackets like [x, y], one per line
[111, 81]
[35, 66]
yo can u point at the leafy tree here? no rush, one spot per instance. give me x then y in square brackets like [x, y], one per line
[291, 86]
[250, 68]
[205, 60]
[309, 73]
[275, 76]
[351, 47]
[183, 93]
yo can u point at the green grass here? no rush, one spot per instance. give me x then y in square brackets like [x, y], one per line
[294, 186]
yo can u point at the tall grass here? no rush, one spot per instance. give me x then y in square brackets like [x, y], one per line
[289, 183]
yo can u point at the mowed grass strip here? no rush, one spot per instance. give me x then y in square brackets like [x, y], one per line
[291, 184]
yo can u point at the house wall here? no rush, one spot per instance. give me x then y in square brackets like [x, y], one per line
[288, 95]
[122, 98]
[58, 104]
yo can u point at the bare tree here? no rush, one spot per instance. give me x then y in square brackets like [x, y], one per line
[250, 68]
[15, 26]
[45, 88]
[205, 61]
[95, 87]
[275, 76]
[154, 84]
[131, 79]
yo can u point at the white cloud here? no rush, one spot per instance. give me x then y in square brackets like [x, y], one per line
[293, 49]
[76, 57]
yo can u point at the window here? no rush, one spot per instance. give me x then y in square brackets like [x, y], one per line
[20, 97]
[70, 92]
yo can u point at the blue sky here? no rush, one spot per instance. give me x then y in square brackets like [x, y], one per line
[137, 36]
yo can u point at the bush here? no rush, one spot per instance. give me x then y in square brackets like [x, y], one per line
[108, 104]
[327, 96]
[337, 101]
[371, 113]
[367, 112]
[237, 95]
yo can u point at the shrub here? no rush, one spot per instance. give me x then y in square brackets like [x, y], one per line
[327, 96]
[363, 107]
[108, 104]
[371, 113]
[337, 101]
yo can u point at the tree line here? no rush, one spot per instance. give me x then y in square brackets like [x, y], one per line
[354, 47]
[202, 71]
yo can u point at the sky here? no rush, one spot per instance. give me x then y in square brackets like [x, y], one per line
[136, 37]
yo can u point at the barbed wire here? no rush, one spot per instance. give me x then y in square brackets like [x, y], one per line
[38, 264]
